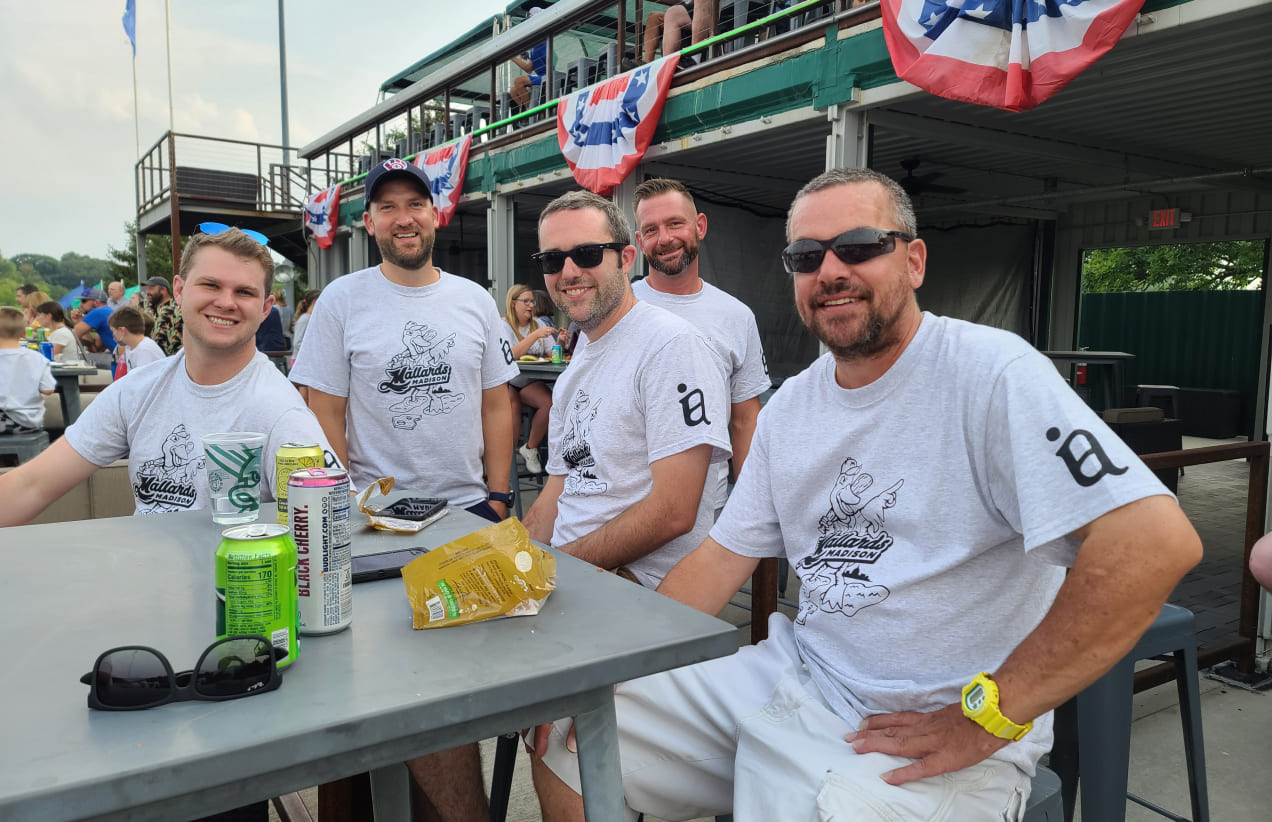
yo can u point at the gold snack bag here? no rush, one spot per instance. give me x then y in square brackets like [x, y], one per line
[494, 572]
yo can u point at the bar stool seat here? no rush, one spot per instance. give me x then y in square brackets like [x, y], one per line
[1100, 755]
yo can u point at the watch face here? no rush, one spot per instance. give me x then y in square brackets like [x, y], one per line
[975, 698]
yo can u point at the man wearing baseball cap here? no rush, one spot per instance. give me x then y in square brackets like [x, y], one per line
[167, 331]
[406, 366]
[94, 329]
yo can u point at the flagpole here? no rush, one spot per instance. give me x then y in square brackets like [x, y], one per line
[282, 76]
[136, 109]
[167, 19]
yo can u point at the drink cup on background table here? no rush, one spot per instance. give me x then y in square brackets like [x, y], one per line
[234, 472]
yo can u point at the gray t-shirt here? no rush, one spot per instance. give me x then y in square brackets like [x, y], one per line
[729, 328]
[412, 363]
[927, 514]
[156, 417]
[648, 389]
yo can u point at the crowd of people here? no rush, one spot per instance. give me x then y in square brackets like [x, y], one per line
[930, 481]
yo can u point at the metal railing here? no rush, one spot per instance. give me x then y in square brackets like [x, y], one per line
[598, 38]
[1241, 649]
[235, 173]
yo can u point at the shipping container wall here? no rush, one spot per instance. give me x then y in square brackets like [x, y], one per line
[1190, 339]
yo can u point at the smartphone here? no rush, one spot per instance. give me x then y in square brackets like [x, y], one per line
[383, 565]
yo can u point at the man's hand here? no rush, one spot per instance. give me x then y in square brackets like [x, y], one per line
[940, 742]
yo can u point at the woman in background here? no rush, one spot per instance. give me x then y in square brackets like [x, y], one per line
[65, 345]
[532, 337]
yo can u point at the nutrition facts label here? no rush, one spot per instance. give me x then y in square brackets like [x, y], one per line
[252, 604]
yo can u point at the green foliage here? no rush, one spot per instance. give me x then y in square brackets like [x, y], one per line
[1231, 265]
[123, 261]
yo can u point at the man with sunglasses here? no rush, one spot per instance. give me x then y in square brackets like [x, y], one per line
[639, 416]
[929, 479]
[407, 367]
[669, 230]
[218, 382]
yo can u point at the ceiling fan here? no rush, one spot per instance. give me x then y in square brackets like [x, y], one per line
[918, 184]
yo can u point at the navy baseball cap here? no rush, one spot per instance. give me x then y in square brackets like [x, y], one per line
[94, 294]
[390, 168]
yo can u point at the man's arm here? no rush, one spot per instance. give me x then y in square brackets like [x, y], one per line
[742, 417]
[496, 435]
[330, 411]
[541, 518]
[1130, 560]
[708, 577]
[33, 486]
[667, 512]
[523, 64]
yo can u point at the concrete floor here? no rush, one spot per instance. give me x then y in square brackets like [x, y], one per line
[1237, 723]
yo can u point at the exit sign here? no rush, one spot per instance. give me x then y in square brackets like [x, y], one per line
[1163, 218]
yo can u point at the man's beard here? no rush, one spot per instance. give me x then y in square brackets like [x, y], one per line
[410, 262]
[874, 334]
[687, 256]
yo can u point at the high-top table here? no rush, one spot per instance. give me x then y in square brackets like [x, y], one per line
[365, 698]
[67, 379]
[542, 370]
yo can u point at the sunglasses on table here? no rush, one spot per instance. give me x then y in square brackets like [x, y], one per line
[853, 247]
[135, 677]
[221, 228]
[584, 256]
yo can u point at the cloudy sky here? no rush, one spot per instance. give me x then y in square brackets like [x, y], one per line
[67, 133]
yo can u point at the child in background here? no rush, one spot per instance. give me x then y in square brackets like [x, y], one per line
[24, 376]
[128, 324]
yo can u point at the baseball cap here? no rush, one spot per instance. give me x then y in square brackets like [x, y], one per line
[395, 167]
[159, 281]
[94, 294]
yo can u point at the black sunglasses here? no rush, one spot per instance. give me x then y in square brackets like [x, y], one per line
[853, 247]
[133, 677]
[584, 256]
[221, 228]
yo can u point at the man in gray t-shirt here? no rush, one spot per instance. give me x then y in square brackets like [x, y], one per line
[155, 418]
[669, 230]
[406, 367]
[638, 417]
[928, 479]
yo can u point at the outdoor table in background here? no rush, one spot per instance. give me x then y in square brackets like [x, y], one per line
[371, 696]
[546, 371]
[67, 377]
[1108, 363]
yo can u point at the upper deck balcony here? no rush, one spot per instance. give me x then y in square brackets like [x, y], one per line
[184, 179]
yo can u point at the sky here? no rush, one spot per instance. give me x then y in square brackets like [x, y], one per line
[67, 131]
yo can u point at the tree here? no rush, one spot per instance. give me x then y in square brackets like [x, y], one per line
[1231, 265]
[123, 261]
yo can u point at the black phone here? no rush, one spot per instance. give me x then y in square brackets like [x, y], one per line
[383, 565]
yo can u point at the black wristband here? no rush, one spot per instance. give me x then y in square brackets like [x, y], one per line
[500, 496]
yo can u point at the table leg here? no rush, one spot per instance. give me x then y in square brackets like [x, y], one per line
[597, 735]
[68, 389]
[391, 793]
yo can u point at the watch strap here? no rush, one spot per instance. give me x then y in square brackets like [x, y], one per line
[500, 496]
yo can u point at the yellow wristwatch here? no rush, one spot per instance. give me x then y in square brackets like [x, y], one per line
[980, 704]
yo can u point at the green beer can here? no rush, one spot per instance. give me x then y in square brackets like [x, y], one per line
[256, 586]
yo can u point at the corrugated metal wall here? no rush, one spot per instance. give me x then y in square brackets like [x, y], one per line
[1197, 339]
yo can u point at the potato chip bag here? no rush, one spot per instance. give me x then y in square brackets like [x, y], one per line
[494, 572]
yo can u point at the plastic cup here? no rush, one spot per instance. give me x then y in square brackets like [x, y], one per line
[233, 465]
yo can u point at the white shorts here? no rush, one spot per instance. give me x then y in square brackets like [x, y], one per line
[751, 734]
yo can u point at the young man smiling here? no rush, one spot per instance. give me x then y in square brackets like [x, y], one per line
[155, 418]
[406, 367]
[640, 414]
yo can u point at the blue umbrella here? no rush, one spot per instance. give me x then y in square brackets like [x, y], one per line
[71, 296]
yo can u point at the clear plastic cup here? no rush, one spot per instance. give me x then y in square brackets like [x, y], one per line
[234, 472]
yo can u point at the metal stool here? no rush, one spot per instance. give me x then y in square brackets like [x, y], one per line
[25, 446]
[1100, 754]
[1165, 397]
